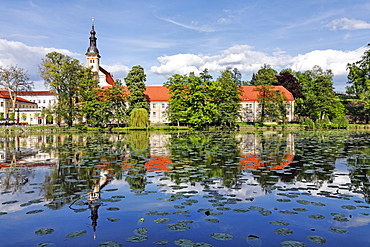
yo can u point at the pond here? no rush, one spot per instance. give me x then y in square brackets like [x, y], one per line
[185, 189]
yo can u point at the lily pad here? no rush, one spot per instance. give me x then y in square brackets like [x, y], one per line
[212, 220]
[76, 234]
[2, 213]
[222, 236]
[35, 211]
[292, 243]
[283, 231]
[44, 231]
[178, 227]
[279, 223]
[112, 219]
[316, 216]
[348, 207]
[240, 210]
[141, 231]
[181, 212]
[48, 244]
[184, 242]
[316, 239]
[110, 244]
[162, 242]
[137, 239]
[338, 230]
[112, 209]
[162, 220]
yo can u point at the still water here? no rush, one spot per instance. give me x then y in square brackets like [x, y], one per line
[185, 189]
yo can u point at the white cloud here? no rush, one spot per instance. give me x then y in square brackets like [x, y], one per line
[117, 70]
[27, 57]
[249, 61]
[192, 26]
[348, 24]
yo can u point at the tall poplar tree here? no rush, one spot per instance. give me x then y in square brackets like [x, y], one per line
[135, 81]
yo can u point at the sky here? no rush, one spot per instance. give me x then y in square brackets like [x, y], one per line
[169, 37]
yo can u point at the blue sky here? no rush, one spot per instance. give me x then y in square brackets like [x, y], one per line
[168, 37]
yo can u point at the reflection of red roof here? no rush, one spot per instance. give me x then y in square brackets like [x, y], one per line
[253, 161]
[250, 93]
[7, 165]
[35, 93]
[154, 164]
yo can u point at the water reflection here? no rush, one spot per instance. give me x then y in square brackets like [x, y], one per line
[78, 170]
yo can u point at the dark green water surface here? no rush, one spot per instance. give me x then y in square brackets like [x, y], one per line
[186, 189]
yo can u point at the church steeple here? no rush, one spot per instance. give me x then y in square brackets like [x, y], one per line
[92, 54]
[92, 48]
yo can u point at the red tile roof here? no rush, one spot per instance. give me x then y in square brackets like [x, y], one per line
[157, 93]
[5, 95]
[250, 93]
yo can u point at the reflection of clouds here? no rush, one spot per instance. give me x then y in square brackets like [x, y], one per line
[353, 222]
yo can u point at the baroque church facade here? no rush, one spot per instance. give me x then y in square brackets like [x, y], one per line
[31, 103]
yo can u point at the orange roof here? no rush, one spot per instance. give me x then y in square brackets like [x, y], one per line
[35, 93]
[157, 93]
[5, 95]
[250, 93]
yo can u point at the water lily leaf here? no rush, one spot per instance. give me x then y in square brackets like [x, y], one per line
[254, 241]
[9, 202]
[2, 213]
[316, 216]
[141, 231]
[162, 242]
[184, 242]
[222, 236]
[348, 207]
[110, 244]
[181, 212]
[137, 239]
[212, 220]
[265, 212]
[338, 230]
[240, 210]
[279, 223]
[283, 231]
[162, 220]
[317, 239]
[35, 211]
[113, 209]
[292, 243]
[112, 219]
[48, 244]
[178, 227]
[44, 231]
[76, 234]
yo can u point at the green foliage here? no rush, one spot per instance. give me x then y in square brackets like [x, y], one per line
[12, 116]
[70, 81]
[202, 102]
[272, 105]
[340, 122]
[139, 118]
[135, 81]
[1, 115]
[322, 123]
[319, 99]
[308, 123]
[266, 75]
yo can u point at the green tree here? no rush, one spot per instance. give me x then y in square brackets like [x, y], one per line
[135, 81]
[227, 97]
[319, 97]
[266, 75]
[271, 105]
[179, 89]
[15, 79]
[139, 118]
[70, 81]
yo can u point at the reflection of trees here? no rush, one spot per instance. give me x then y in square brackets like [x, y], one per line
[81, 160]
[358, 149]
[201, 156]
[138, 145]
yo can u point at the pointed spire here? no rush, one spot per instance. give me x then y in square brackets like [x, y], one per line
[92, 48]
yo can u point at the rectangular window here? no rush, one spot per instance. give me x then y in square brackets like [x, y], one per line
[154, 114]
[154, 105]
[163, 105]
[163, 114]
[2, 104]
[39, 101]
[43, 101]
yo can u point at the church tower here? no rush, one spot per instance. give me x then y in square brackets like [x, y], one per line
[92, 54]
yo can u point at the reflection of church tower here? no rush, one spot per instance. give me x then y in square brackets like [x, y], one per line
[92, 54]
